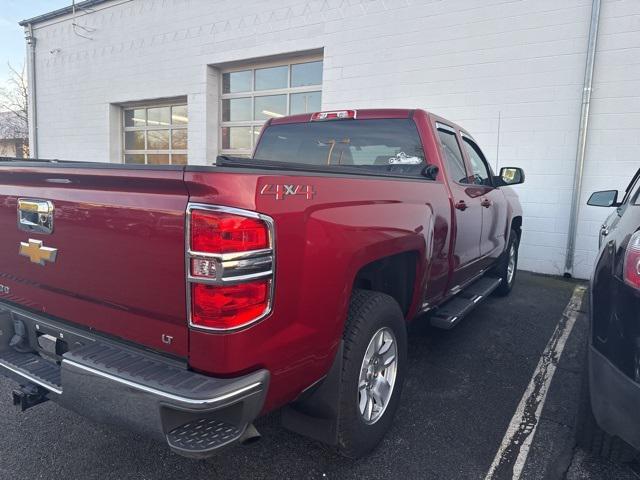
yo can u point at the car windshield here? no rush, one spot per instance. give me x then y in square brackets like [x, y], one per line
[383, 145]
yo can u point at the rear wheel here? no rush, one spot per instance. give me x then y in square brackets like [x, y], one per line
[374, 365]
[508, 265]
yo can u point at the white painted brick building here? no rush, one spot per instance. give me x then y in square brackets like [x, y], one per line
[472, 61]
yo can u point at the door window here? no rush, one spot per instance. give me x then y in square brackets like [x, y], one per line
[479, 169]
[453, 155]
[631, 195]
[633, 190]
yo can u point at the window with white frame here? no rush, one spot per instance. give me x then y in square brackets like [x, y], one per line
[252, 95]
[155, 134]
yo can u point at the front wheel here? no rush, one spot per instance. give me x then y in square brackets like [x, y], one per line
[373, 370]
[508, 265]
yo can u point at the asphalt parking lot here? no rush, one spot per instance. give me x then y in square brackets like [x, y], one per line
[461, 393]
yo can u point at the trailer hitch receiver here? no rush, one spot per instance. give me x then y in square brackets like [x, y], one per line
[28, 396]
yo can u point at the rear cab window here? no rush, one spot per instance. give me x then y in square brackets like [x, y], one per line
[385, 146]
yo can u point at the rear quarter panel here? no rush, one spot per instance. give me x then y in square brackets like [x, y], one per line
[321, 244]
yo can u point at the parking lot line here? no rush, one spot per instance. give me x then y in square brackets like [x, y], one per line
[514, 449]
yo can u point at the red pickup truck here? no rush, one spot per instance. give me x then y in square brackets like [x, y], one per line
[186, 301]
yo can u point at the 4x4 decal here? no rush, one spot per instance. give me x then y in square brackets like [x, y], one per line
[280, 191]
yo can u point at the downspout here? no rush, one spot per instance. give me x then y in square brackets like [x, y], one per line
[582, 138]
[33, 111]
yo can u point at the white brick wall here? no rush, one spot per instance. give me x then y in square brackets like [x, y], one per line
[468, 60]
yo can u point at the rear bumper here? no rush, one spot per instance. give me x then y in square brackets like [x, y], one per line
[115, 384]
[614, 399]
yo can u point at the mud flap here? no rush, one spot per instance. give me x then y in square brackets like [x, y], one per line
[315, 414]
[6, 329]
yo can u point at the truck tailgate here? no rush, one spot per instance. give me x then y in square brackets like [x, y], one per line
[118, 266]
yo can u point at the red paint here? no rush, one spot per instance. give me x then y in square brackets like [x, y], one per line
[120, 268]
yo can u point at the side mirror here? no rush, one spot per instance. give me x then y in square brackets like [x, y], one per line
[604, 198]
[510, 176]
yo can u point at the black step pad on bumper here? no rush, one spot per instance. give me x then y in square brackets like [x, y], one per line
[159, 375]
[38, 370]
[448, 315]
[202, 435]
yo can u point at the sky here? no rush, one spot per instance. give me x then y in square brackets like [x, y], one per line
[12, 45]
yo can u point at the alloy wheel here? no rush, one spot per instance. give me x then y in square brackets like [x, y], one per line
[377, 375]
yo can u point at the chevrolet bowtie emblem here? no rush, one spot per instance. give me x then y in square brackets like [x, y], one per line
[38, 253]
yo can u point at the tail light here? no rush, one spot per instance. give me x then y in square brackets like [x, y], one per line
[225, 233]
[229, 307]
[230, 263]
[631, 270]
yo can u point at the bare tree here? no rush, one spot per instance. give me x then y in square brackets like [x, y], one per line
[14, 99]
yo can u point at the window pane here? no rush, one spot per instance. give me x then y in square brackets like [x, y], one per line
[480, 172]
[157, 159]
[135, 118]
[305, 102]
[179, 115]
[134, 140]
[274, 77]
[453, 156]
[178, 159]
[236, 109]
[179, 139]
[158, 139]
[380, 145]
[303, 74]
[159, 116]
[234, 82]
[271, 106]
[236, 138]
[136, 158]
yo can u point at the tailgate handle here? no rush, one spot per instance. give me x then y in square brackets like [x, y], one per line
[35, 215]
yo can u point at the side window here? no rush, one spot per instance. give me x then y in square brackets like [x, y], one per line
[480, 171]
[632, 194]
[453, 156]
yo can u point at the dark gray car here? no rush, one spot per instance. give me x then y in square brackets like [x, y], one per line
[610, 417]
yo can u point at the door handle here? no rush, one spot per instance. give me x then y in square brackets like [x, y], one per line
[461, 205]
[486, 203]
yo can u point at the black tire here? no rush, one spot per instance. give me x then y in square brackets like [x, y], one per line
[502, 268]
[368, 313]
[593, 439]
